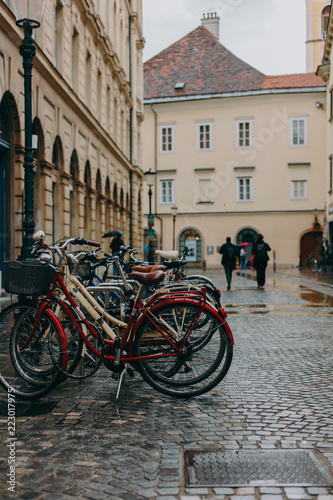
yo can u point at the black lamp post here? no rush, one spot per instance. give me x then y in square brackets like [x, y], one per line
[174, 211]
[28, 15]
[150, 176]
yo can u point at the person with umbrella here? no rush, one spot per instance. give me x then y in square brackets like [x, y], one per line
[115, 245]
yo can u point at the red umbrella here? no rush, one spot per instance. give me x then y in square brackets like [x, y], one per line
[245, 244]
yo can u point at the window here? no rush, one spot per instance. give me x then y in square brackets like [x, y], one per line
[58, 35]
[167, 139]
[204, 190]
[75, 60]
[244, 189]
[204, 135]
[299, 190]
[88, 78]
[331, 174]
[244, 134]
[325, 15]
[167, 191]
[298, 131]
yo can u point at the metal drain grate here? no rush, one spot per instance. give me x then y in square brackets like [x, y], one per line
[256, 468]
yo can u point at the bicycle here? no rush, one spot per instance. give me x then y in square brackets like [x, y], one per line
[164, 340]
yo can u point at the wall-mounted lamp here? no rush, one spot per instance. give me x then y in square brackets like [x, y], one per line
[320, 105]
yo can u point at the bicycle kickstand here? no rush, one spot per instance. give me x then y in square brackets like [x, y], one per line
[121, 377]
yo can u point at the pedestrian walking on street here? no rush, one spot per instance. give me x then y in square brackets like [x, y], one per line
[242, 259]
[229, 254]
[260, 251]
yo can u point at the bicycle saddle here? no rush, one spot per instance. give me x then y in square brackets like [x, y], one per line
[147, 269]
[147, 278]
[171, 254]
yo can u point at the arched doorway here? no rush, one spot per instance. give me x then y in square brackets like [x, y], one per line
[4, 148]
[191, 239]
[247, 235]
[310, 245]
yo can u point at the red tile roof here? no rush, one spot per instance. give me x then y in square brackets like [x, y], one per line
[203, 64]
[292, 81]
[206, 67]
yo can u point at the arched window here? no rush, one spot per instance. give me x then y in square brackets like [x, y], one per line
[325, 15]
[191, 239]
[87, 202]
[73, 196]
[98, 212]
[39, 179]
[107, 206]
[57, 203]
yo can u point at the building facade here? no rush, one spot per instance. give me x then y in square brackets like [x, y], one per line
[317, 15]
[87, 114]
[325, 71]
[234, 150]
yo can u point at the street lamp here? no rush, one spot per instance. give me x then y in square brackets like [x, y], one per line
[150, 176]
[174, 211]
[28, 16]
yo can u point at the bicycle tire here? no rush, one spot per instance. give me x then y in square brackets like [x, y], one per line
[208, 351]
[83, 362]
[26, 372]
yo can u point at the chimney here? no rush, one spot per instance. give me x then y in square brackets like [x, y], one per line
[211, 22]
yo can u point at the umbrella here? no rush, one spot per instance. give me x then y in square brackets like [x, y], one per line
[245, 244]
[113, 233]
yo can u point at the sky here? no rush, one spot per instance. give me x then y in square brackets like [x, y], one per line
[267, 34]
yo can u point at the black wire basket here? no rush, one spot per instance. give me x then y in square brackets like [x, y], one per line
[27, 277]
[82, 270]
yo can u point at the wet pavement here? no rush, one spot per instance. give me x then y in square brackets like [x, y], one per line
[277, 397]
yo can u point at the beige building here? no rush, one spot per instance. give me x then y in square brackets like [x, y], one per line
[325, 71]
[317, 15]
[237, 152]
[87, 113]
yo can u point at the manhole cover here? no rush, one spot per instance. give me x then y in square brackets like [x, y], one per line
[256, 468]
[28, 409]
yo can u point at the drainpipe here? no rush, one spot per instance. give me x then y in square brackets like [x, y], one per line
[155, 165]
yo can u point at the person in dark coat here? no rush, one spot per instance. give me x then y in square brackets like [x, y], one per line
[116, 243]
[260, 251]
[229, 254]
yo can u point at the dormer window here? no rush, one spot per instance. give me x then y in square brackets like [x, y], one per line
[325, 15]
[179, 86]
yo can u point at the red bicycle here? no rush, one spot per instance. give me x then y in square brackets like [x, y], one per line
[181, 345]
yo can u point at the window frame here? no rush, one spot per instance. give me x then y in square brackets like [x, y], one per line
[244, 178]
[291, 131]
[208, 124]
[172, 192]
[238, 123]
[172, 128]
[292, 193]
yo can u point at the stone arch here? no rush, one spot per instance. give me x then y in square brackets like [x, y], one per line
[57, 199]
[10, 169]
[74, 197]
[98, 208]
[88, 200]
[192, 239]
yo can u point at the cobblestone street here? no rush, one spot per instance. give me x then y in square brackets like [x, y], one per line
[78, 443]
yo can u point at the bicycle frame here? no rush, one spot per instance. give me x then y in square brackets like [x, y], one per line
[79, 292]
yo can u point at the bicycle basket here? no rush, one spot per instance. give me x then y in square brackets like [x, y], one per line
[27, 277]
[81, 270]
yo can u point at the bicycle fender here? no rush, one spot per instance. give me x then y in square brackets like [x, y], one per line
[221, 315]
[62, 335]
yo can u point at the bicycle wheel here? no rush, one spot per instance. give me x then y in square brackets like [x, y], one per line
[202, 363]
[26, 367]
[83, 361]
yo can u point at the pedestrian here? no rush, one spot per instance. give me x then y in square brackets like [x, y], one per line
[260, 251]
[115, 245]
[242, 259]
[229, 254]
